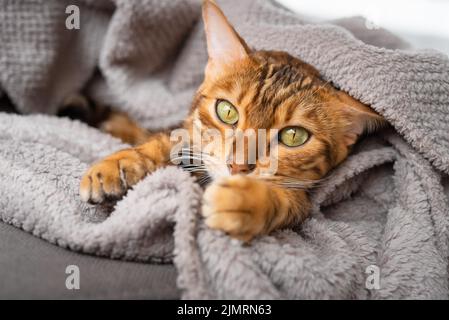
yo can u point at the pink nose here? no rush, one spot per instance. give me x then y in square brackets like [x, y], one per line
[241, 168]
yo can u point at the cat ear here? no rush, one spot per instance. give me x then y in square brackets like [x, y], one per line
[360, 118]
[224, 45]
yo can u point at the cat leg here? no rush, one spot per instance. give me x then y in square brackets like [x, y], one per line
[111, 177]
[116, 123]
[245, 207]
[120, 125]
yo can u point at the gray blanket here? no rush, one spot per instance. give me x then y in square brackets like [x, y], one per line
[383, 214]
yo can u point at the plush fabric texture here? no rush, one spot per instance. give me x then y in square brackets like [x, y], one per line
[386, 205]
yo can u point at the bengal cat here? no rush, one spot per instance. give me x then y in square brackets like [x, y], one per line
[245, 89]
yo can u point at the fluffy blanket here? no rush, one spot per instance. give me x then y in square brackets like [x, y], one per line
[382, 215]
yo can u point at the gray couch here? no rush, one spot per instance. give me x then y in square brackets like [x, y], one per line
[31, 268]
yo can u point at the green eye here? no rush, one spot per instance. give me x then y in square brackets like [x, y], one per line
[293, 136]
[227, 112]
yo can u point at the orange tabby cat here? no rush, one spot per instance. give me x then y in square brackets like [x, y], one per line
[247, 89]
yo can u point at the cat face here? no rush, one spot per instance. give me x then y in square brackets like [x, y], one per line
[314, 123]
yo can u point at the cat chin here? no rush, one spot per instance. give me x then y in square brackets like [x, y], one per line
[218, 173]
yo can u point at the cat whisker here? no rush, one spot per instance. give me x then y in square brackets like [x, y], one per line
[294, 186]
[188, 154]
[187, 158]
[196, 170]
[193, 166]
[204, 179]
[295, 183]
[191, 151]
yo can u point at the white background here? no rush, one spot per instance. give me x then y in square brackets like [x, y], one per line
[423, 23]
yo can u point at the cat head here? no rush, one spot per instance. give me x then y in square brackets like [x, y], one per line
[246, 89]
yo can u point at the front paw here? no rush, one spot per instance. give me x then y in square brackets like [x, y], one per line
[110, 178]
[238, 205]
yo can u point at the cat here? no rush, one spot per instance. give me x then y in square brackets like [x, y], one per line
[246, 89]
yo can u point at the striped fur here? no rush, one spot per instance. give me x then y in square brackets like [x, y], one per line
[270, 90]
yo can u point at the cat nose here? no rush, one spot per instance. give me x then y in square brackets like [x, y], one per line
[241, 168]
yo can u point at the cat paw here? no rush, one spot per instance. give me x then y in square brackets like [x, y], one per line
[237, 205]
[110, 178]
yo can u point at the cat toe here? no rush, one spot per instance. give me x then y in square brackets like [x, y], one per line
[231, 205]
[102, 183]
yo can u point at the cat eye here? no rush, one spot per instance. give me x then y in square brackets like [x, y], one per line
[293, 136]
[226, 112]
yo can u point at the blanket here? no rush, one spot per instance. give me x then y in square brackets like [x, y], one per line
[379, 225]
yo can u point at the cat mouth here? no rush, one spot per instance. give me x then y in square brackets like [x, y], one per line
[207, 173]
[203, 177]
[206, 168]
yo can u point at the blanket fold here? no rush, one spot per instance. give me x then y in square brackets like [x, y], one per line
[386, 207]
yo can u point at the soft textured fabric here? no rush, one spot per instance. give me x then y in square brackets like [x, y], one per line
[385, 206]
